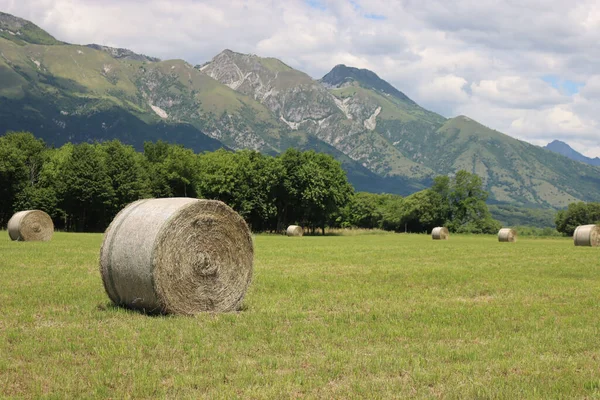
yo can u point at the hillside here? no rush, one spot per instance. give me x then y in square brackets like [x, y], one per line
[514, 171]
[22, 32]
[78, 93]
[123, 54]
[564, 149]
[385, 141]
[307, 107]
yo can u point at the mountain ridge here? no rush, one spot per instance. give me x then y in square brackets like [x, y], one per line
[342, 74]
[21, 31]
[121, 53]
[564, 149]
[386, 141]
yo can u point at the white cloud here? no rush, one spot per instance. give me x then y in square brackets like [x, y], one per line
[553, 120]
[445, 92]
[516, 91]
[484, 58]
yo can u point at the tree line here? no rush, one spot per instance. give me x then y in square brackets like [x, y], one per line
[576, 214]
[458, 203]
[83, 186]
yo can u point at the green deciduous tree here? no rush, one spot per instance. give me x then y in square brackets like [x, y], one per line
[85, 189]
[576, 214]
[457, 202]
[463, 203]
[173, 169]
[423, 211]
[313, 190]
[21, 159]
[245, 180]
[128, 178]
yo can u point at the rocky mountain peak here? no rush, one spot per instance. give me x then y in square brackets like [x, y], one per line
[342, 75]
[23, 32]
[11, 22]
[252, 75]
[124, 54]
[562, 148]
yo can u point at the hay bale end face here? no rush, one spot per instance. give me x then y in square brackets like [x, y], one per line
[294, 230]
[587, 235]
[177, 256]
[30, 225]
[507, 235]
[440, 233]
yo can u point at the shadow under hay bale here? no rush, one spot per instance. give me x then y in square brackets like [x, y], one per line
[30, 225]
[177, 256]
[587, 235]
[507, 235]
[294, 230]
[440, 233]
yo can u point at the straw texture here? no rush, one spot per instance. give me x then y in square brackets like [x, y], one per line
[30, 225]
[294, 230]
[587, 235]
[507, 235]
[177, 256]
[440, 233]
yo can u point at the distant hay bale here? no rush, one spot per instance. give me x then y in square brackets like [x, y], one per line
[507, 235]
[587, 235]
[440, 233]
[30, 225]
[294, 230]
[177, 256]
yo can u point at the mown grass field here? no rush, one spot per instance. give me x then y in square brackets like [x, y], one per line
[373, 316]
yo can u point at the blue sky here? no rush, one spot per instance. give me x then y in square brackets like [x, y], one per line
[316, 4]
[564, 85]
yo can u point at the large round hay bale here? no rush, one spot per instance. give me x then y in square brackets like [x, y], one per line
[587, 235]
[177, 256]
[440, 233]
[507, 235]
[294, 230]
[30, 225]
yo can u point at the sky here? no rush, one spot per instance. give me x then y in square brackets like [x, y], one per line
[528, 68]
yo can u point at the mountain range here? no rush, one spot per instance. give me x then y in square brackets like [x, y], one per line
[386, 142]
[564, 149]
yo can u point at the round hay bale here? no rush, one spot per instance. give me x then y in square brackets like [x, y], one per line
[587, 235]
[30, 225]
[440, 233]
[177, 256]
[507, 235]
[294, 230]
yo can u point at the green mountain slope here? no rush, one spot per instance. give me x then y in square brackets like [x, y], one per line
[514, 171]
[72, 93]
[123, 54]
[67, 92]
[385, 141]
[305, 105]
[342, 76]
[23, 32]
[398, 119]
[564, 149]
[77, 93]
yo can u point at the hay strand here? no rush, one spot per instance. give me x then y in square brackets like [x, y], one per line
[440, 233]
[294, 230]
[587, 235]
[30, 225]
[177, 256]
[507, 235]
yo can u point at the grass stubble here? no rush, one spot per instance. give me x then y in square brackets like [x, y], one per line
[360, 316]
